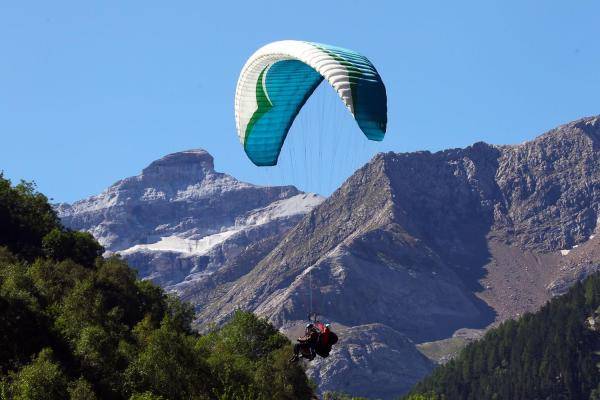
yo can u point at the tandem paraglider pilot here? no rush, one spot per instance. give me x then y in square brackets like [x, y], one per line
[318, 339]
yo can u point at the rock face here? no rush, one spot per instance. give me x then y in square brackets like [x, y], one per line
[370, 353]
[180, 219]
[410, 249]
[425, 244]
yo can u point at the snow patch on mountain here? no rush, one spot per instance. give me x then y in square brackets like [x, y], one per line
[293, 206]
[181, 245]
[296, 205]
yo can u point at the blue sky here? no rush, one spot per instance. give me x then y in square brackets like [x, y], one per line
[91, 92]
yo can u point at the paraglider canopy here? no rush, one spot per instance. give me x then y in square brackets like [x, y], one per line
[277, 80]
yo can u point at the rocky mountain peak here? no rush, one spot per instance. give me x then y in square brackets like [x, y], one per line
[190, 164]
[588, 126]
[181, 219]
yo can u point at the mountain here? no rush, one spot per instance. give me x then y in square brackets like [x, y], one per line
[180, 219]
[415, 248]
[552, 354]
[426, 244]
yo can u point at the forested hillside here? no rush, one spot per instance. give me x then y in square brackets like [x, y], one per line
[551, 354]
[74, 325]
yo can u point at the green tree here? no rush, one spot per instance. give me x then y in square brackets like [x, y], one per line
[169, 365]
[60, 244]
[25, 218]
[43, 379]
[551, 354]
[23, 323]
[53, 280]
[146, 396]
[81, 390]
[249, 358]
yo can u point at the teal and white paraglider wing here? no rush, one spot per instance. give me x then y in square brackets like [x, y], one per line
[278, 79]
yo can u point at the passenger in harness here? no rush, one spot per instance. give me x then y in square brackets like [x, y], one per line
[306, 344]
[318, 339]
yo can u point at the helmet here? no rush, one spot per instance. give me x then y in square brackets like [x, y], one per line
[309, 325]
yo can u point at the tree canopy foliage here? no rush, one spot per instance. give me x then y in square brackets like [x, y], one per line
[550, 354]
[74, 325]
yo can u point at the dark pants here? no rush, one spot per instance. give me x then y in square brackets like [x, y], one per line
[305, 350]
